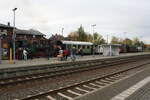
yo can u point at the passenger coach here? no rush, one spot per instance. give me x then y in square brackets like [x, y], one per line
[86, 46]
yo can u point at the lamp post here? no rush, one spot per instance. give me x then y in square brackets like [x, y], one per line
[93, 31]
[93, 39]
[0, 47]
[14, 36]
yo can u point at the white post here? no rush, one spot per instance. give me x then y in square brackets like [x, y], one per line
[110, 50]
[107, 38]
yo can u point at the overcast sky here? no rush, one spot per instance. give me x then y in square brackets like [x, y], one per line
[112, 17]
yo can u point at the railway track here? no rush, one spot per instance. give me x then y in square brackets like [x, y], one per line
[30, 70]
[67, 70]
[76, 90]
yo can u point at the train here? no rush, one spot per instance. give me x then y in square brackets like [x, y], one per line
[89, 47]
[130, 48]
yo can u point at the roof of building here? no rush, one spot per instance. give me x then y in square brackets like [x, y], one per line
[29, 32]
[114, 45]
[77, 43]
[20, 31]
[5, 26]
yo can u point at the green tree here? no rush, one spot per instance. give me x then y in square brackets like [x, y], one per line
[98, 39]
[127, 41]
[115, 40]
[79, 35]
[82, 36]
[137, 42]
[89, 38]
[73, 35]
[142, 43]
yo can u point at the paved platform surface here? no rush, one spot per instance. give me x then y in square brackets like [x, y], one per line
[42, 61]
[136, 87]
[142, 94]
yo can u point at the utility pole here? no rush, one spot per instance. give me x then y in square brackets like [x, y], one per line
[93, 39]
[62, 31]
[13, 37]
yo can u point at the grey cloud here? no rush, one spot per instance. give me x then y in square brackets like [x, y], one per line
[110, 16]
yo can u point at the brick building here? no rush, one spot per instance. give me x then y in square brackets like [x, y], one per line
[32, 40]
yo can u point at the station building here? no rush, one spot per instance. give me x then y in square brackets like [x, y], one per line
[32, 40]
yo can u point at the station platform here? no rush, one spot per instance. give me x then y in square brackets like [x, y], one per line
[134, 87]
[45, 61]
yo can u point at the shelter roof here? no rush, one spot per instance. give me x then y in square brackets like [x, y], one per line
[116, 45]
[77, 42]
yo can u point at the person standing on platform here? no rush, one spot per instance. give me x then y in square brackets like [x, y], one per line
[81, 52]
[65, 53]
[25, 54]
[73, 53]
[60, 54]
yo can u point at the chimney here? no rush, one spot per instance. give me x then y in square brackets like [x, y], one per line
[8, 24]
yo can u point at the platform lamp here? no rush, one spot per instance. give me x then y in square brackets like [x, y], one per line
[0, 47]
[14, 36]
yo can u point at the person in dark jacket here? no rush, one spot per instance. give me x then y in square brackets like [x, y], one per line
[81, 52]
[73, 53]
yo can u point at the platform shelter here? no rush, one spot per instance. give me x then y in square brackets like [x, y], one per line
[110, 49]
